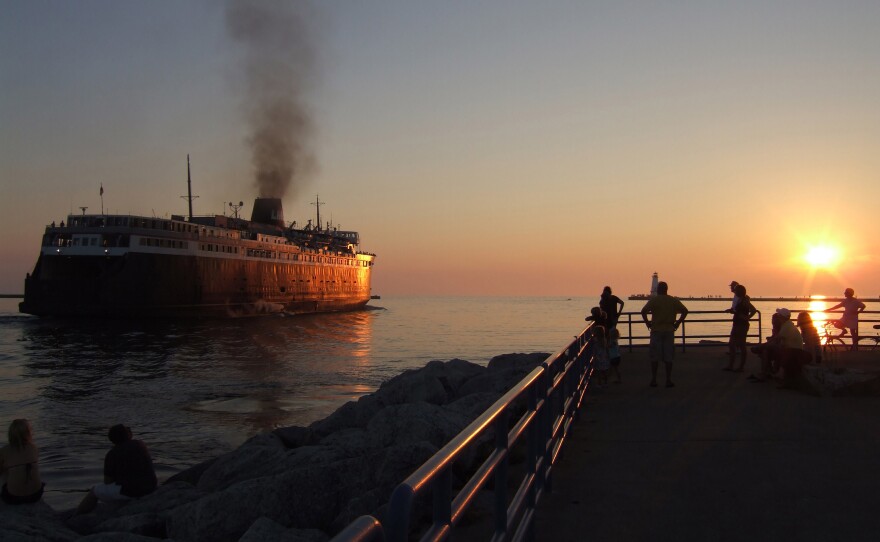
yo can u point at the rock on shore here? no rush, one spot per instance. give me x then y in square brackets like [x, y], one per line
[299, 483]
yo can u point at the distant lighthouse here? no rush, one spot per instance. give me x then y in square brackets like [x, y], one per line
[654, 281]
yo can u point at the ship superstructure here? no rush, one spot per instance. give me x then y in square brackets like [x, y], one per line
[123, 265]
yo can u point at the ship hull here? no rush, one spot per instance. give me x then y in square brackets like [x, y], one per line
[160, 285]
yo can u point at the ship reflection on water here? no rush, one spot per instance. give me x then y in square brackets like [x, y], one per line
[191, 390]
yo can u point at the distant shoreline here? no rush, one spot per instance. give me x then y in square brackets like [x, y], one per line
[781, 298]
[12, 296]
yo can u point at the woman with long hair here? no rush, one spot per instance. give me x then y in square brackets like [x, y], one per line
[19, 464]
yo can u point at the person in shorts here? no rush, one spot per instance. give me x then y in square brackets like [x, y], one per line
[128, 472]
[663, 309]
[850, 319]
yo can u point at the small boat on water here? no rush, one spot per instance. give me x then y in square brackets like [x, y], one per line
[136, 266]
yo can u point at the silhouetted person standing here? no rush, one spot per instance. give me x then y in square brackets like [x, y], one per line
[611, 305]
[742, 315]
[736, 298]
[663, 323]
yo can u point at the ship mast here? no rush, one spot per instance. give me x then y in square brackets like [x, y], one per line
[318, 204]
[189, 197]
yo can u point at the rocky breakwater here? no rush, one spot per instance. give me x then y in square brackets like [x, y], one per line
[299, 483]
[843, 374]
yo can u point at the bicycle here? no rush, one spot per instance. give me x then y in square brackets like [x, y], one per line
[831, 341]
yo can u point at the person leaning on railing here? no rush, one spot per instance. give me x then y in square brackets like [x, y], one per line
[612, 306]
[850, 319]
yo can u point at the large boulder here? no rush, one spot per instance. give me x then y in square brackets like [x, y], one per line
[840, 381]
[116, 537]
[266, 529]
[243, 463]
[415, 422]
[192, 474]
[353, 414]
[471, 406]
[295, 436]
[26, 522]
[437, 383]
[503, 373]
[308, 497]
[349, 442]
[518, 363]
[144, 516]
[391, 467]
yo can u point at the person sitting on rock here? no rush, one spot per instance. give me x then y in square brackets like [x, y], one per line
[128, 472]
[19, 465]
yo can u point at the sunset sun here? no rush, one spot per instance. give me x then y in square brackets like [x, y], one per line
[822, 256]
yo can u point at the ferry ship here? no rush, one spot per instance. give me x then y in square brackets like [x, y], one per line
[135, 266]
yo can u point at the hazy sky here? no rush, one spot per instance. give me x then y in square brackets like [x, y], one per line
[494, 147]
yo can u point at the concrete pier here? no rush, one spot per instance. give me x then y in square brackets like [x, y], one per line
[716, 458]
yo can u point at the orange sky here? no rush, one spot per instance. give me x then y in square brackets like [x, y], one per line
[485, 150]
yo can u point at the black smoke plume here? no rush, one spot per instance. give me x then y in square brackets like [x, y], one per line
[278, 67]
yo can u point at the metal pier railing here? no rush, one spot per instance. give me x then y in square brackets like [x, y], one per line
[703, 326]
[536, 414]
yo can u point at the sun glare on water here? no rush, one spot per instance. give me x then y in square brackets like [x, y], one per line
[822, 256]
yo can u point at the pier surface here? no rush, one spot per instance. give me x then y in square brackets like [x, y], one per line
[716, 458]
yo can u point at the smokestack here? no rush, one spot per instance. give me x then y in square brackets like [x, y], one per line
[278, 68]
[268, 211]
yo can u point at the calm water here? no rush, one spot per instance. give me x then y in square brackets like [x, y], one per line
[194, 390]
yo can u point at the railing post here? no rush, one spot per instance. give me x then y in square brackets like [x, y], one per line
[630, 331]
[363, 529]
[501, 425]
[534, 449]
[546, 417]
[760, 328]
[442, 496]
[399, 509]
[683, 336]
